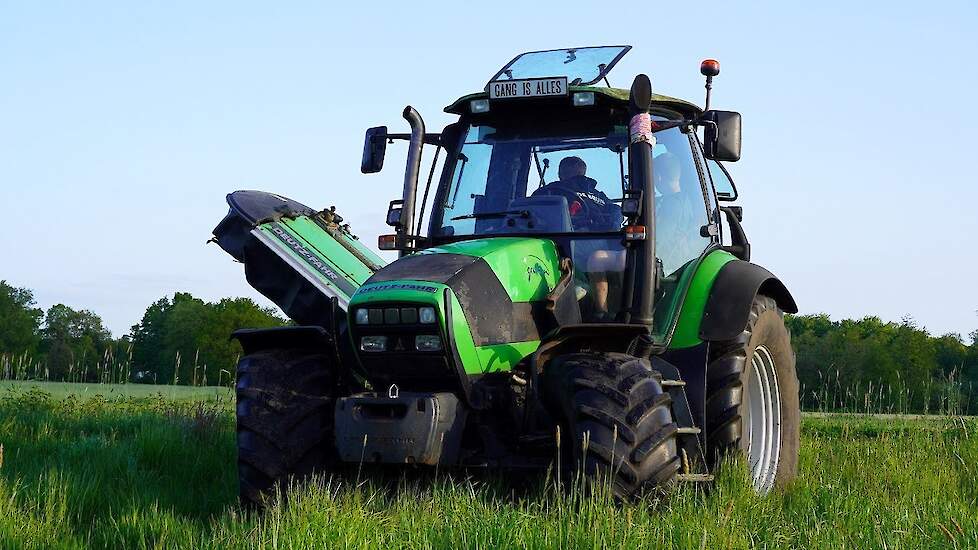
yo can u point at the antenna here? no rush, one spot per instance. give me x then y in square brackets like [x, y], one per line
[709, 68]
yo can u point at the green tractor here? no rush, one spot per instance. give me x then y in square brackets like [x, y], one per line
[570, 304]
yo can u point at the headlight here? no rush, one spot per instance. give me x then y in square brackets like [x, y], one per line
[427, 315]
[363, 316]
[427, 342]
[373, 343]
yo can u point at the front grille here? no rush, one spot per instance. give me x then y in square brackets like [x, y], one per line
[401, 363]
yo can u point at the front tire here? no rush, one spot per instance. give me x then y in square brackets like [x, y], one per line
[615, 403]
[752, 404]
[285, 417]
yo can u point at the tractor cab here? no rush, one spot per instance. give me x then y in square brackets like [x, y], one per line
[561, 171]
[544, 151]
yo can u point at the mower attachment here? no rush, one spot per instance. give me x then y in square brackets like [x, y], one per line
[297, 257]
[406, 428]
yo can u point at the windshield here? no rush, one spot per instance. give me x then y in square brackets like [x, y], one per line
[581, 66]
[508, 181]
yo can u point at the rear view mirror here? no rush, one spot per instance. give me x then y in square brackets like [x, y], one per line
[374, 148]
[722, 135]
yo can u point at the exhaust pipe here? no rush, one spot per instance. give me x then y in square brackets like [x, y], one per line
[640, 177]
[406, 224]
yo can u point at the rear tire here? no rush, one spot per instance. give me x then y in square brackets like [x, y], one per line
[752, 402]
[285, 411]
[616, 403]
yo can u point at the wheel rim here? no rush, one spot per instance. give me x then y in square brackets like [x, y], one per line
[762, 421]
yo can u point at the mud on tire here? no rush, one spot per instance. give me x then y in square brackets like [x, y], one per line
[285, 401]
[615, 402]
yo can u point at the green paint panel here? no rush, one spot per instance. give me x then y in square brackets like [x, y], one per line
[687, 333]
[482, 247]
[343, 284]
[326, 245]
[527, 268]
[421, 292]
[666, 306]
[463, 339]
[503, 357]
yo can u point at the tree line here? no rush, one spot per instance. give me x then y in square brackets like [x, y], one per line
[179, 340]
[862, 365]
[878, 366]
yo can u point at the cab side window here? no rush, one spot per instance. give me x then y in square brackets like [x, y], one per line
[680, 207]
[722, 183]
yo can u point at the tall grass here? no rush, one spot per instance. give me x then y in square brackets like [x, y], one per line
[154, 473]
[941, 395]
[111, 368]
[108, 369]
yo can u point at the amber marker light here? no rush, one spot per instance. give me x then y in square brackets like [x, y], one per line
[710, 67]
[387, 242]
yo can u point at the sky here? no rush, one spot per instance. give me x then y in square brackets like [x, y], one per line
[124, 124]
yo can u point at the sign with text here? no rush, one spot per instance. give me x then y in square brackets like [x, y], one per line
[532, 87]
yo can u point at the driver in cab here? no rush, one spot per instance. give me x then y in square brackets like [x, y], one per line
[590, 209]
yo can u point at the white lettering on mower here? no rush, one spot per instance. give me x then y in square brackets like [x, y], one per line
[304, 252]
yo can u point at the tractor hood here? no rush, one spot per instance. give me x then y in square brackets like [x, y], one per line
[489, 295]
[526, 269]
[495, 281]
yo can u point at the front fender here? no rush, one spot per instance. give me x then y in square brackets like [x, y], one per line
[733, 292]
[254, 340]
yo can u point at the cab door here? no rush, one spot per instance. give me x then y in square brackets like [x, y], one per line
[684, 221]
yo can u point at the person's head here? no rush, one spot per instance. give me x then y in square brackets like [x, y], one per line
[666, 170]
[570, 167]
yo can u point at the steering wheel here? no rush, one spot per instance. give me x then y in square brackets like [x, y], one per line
[582, 211]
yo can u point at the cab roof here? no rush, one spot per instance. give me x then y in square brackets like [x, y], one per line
[619, 95]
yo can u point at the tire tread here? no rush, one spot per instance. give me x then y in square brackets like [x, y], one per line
[616, 402]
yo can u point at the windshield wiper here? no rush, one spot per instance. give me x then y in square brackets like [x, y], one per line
[541, 171]
[458, 182]
[500, 214]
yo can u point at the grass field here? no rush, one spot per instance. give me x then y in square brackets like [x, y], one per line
[158, 472]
